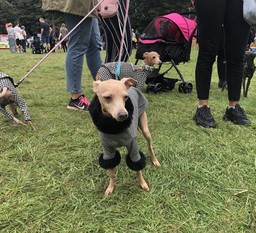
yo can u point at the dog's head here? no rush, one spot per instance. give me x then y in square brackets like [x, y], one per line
[112, 95]
[6, 94]
[151, 58]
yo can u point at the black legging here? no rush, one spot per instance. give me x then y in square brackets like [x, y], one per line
[113, 28]
[211, 15]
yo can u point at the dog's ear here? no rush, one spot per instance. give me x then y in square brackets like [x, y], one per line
[145, 54]
[128, 82]
[95, 85]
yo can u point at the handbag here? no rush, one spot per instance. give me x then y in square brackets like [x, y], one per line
[249, 12]
[108, 8]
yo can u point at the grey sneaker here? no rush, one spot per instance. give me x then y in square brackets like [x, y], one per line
[236, 115]
[204, 117]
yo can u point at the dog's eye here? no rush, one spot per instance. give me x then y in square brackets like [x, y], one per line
[108, 98]
[126, 97]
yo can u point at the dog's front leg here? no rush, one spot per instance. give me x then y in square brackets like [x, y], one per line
[142, 182]
[17, 121]
[143, 125]
[112, 182]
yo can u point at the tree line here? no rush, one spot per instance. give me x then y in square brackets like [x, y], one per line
[141, 13]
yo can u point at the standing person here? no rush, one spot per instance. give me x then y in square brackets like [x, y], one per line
[84, 41]
[62, 34]
[11, 38]
[113, 28]
[18, 36]
[211, 15]
[24, 41]
[52, 39]
[45, 34]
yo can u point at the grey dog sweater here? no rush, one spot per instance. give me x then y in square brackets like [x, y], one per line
[128, 137]
[6, 81]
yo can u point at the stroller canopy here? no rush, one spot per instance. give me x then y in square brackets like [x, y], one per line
[168, 28]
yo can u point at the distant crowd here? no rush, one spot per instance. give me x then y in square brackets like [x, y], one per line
[41, 42]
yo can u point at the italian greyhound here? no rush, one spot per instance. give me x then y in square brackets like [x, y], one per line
[117, 110]
[138, 72]
[9, 96]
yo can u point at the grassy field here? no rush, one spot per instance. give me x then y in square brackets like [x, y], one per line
[51, 182]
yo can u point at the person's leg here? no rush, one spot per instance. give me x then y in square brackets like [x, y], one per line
[236, 42]
[210, 16]
[111, 39]
[43, 40]
[113, 31]
[93, 53]
[79, 43]
[63, 45]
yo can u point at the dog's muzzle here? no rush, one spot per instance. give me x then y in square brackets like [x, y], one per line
[122, 116]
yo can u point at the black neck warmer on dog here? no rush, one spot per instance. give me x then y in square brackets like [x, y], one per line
[107, 124]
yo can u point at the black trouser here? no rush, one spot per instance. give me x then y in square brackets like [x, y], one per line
[211, 15]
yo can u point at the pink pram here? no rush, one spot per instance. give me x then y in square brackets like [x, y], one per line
[171, 36]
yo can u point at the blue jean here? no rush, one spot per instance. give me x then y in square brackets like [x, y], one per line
[84, 41]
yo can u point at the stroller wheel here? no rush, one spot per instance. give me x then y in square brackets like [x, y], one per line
[185, 87]
[157, 87]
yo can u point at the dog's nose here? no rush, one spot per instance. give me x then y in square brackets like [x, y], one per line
[122, 116]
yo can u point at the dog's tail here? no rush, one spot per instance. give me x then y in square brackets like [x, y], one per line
[4, 91]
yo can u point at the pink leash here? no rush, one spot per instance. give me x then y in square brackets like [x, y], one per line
[57, 45]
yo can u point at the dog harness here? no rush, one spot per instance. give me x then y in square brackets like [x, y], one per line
[138, 72]
[6, 81]
[128, 137]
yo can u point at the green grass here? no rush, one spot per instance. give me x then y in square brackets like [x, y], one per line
[50, 180]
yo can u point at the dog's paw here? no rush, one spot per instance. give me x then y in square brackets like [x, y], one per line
[31, 125]
[144, 186]
[156, 163]
[109, 190]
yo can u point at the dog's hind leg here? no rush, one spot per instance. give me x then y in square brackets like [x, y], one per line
[143, 125]
[142, 182]
[112, 182]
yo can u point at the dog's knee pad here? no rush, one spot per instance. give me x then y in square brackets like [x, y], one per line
[136, 166]
[110, 163]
